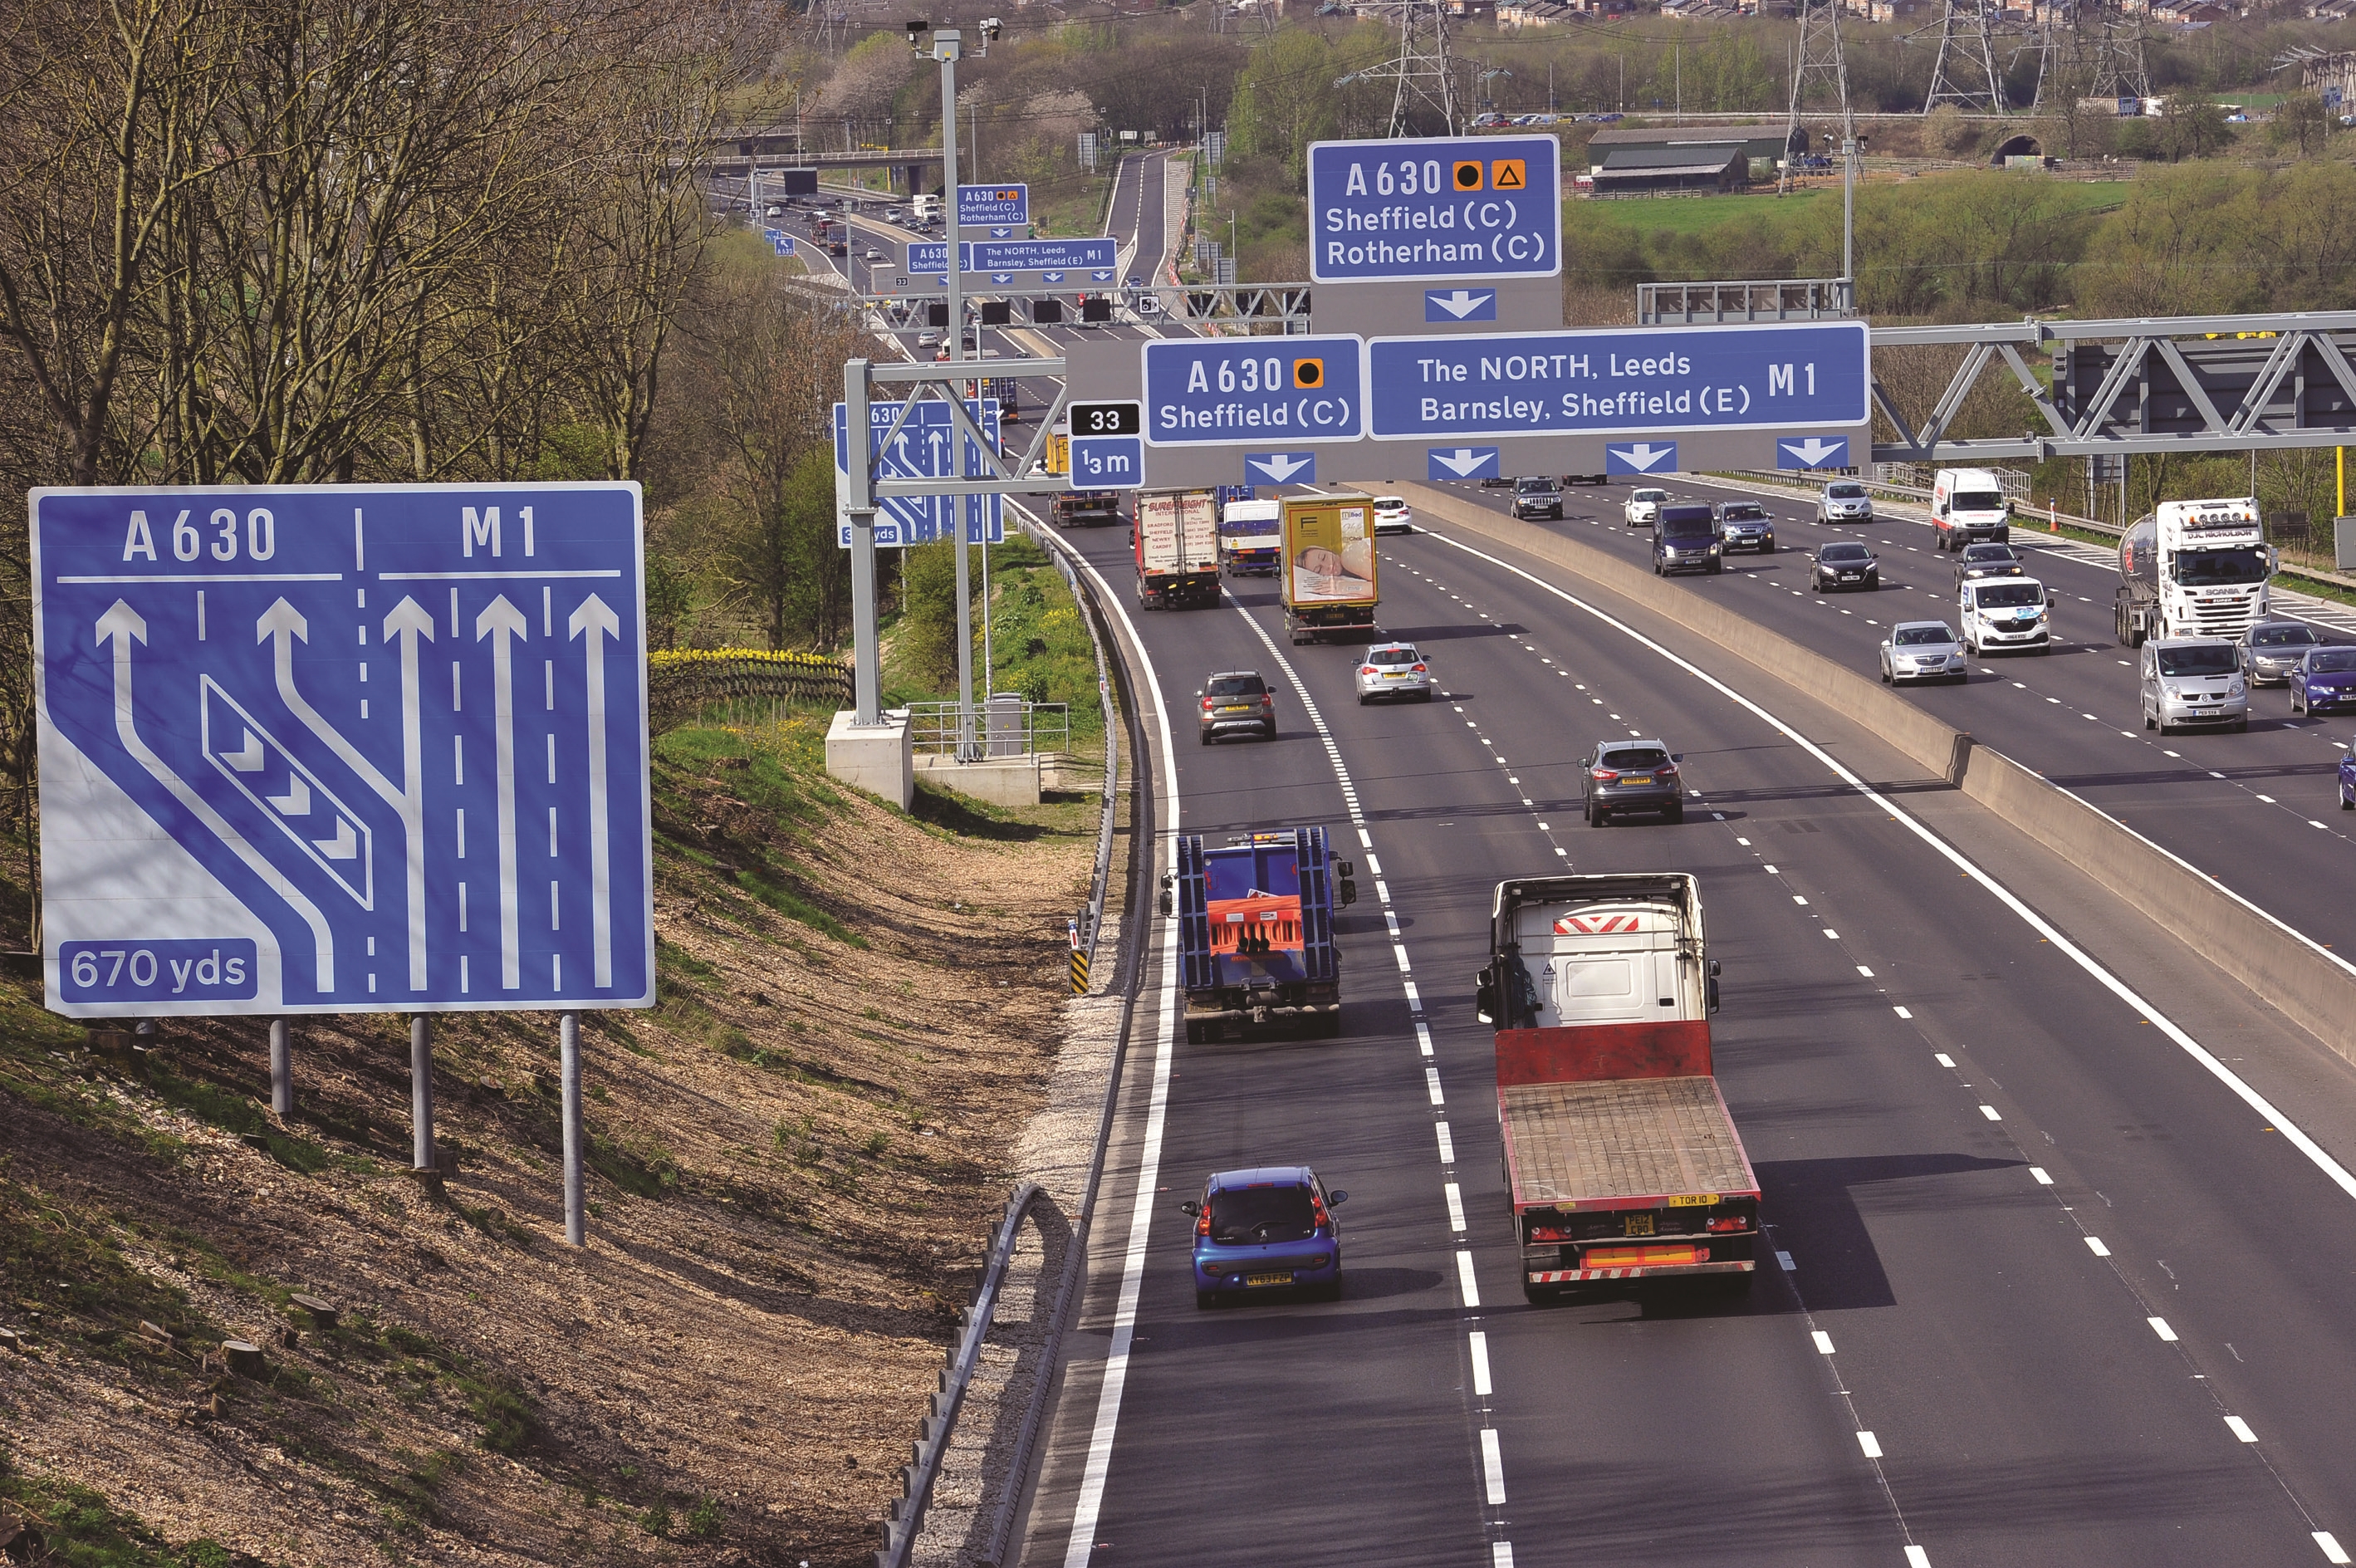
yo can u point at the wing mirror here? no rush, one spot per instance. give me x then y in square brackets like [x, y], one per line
[1485, 996]
[1191, 1209]
[1336, 1199]
[1349, 892]
[1165, 901]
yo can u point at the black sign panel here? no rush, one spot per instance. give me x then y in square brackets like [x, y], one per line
[1108, 419]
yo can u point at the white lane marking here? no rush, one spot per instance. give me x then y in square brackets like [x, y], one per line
[2094, 1245]
[1902, 1011]
[1865, 972]
[2042, 1179]
[1824, 1343]
[1431, 1081]
[1870, 1443]
[1374, 866]
[1797, 899]
[1770, 871]
[1493, 1465]
[1991, 1112]
[2159, 1326]
[1423, 1036]
[1455, 1208]
[1090, 1501]
[1830, 932]
[2330, 1545]
[2332, 1169]
[1744, 842]
[1783, 1262]
[1465, 1281]
[1943, 1058]
[1915, 1556]
[1447, 1144]
[2240, 1428]
[1480, 1346]
[2269, 800]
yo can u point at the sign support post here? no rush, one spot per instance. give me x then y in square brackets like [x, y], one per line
[858, 491]
[421, 1091]
[282, 1070]
[568, 1033]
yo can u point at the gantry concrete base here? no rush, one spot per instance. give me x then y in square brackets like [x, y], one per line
[874, 757]
[1000, 781]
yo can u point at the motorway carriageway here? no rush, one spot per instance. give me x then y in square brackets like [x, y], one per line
[2258, 811]
[2039, 1289]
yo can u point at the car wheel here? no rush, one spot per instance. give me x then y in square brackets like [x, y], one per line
[1597, 817]
[1206, 1299]
[2043, 648]
[2241, 724]
[1716, 567]
[1885, 676]
[1363, 698]
[2298, 704]
[1206, 738]
[2148, 721]
[1424, 695]
[1329, 1291]
[2345, 803]
[1271, 730]
[1676, 812]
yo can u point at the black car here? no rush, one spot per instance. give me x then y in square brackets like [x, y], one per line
[1846, 565]
[1535, 495]
[1632, 775]
[1685, 538]
[1989, 561]
[1237, 699]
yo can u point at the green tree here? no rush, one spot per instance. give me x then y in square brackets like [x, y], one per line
[2192, 125]
[2302, 121]
[928, 637]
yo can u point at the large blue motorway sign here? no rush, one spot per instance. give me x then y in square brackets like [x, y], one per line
[980, 204]
[1434, 209]
[926, 447]
[342, 748]
[1805, 375]
[1014, 255]
[1278, 391]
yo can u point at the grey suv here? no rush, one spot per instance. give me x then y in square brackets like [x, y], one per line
[1535, 495]
[1235, 699]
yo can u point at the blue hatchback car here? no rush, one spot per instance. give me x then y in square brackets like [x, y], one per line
[2323, 680]
[1270, 1228]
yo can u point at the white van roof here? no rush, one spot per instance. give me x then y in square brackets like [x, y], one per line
[1253, 511]
[1955, 478]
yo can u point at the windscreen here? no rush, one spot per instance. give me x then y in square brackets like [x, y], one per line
[2200, 659]
[1527, 485]
[1988, 553]
[1744, 513]
[1921, 636]
[1851, 552]
[2215, 568]
[2009, 596]
[1637, 759]
[2284, 637]
[1978, 501]
[1846, 492]
[1389, 503]
[2332, 661]
[1687, 523]
[1252, 1215]
[1650, 496]
[1235, 686]
[1392, 656]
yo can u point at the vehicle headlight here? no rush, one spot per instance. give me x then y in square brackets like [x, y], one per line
[2236, 690]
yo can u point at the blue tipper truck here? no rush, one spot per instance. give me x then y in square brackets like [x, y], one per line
[1256, 930]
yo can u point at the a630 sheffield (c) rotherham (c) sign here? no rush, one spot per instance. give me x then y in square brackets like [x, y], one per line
[343, 748]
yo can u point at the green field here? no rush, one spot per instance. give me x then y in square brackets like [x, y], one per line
[1698, 214]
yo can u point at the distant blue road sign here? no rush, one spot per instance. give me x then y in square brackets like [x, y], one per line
[1813, 452]
[1215, 390]
[1807, 375]
[1640, 457]
[1108, 462]
[1435, 207]
[343, 748]
[1037, 255]
[1449, 463]
[784, 244]
[931, 255]
[926, 448]
[1459, 305]
[1280, 468]
[978, 205]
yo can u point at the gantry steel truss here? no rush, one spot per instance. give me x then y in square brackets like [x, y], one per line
[2179, 383]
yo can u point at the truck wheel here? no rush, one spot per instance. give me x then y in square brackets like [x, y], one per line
[1539, 1296]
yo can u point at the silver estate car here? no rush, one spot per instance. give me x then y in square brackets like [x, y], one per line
[1922, 650]
[2272, 650]
[1394, 670]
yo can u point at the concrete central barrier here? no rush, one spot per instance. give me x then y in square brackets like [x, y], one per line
[2313, 988]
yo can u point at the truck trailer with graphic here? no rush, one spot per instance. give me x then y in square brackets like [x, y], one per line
[1256, 930]
[1331, 590]
[1622, 1160]
[2193, 569]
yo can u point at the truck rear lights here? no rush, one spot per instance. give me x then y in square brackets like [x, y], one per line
[1548, 1233]
[1729, 1223]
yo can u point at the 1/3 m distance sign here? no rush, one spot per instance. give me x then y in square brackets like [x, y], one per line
[342, 748]
[1431, 208]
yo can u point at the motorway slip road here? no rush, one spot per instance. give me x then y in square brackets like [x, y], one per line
[2256, 812]
[2055, 1293]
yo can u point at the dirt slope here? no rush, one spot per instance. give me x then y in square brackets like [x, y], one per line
[795, 1160]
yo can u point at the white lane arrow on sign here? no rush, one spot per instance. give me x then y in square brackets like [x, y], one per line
[1465, 459]
[1002, 233]
[406, 622]
[1643, 456]
[597, 621]
[1460, 304]
[123, 626]
[502, 621]
[249, 760]
[1001, 277]
[296, 802]
[1051, 277]
[345, 845]
[1102, 274]
[1814, 450]
[1281, 466]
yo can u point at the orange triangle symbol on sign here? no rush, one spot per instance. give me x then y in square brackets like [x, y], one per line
[1508, 176]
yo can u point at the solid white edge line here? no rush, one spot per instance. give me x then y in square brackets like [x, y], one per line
[2339, 1174]
[1090, 1500]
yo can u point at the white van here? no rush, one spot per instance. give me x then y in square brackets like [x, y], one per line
[2005, 613]
[1967, 507]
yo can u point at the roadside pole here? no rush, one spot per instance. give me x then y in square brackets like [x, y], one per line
[576, 1228]
[421, 1091]
[282, 1070]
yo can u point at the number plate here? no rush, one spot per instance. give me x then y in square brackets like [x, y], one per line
[1267, 1279]
[1637, 779]
[1636, 1225]
[1237, 708]
[1694, 1201]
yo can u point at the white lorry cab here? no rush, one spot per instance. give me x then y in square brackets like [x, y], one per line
[1967, 507]
[2001, 614]
[2193, 569]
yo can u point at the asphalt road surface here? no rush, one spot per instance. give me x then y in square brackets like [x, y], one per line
[2055, 1293]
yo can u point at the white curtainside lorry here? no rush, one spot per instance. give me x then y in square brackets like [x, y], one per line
[2193, 569]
